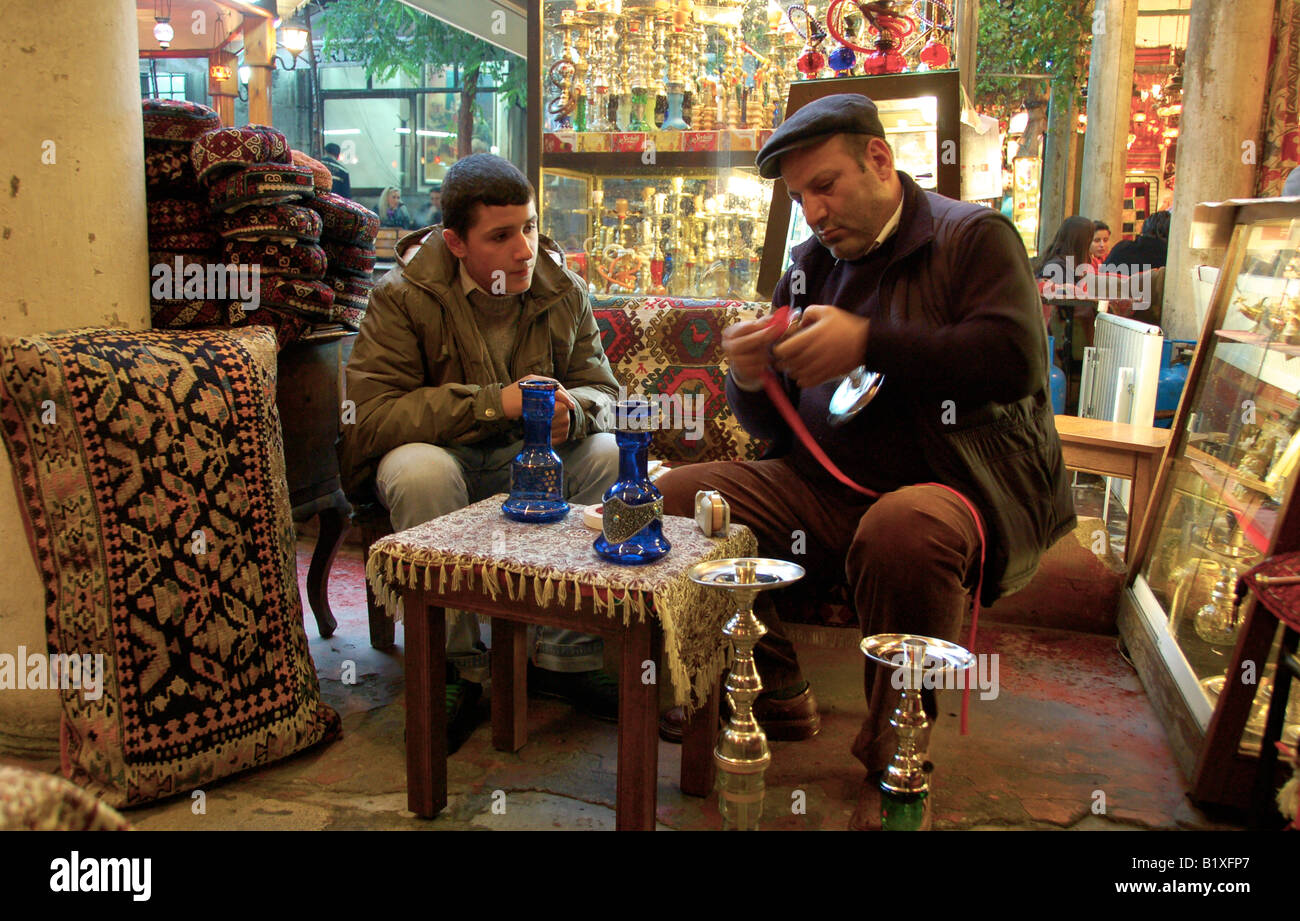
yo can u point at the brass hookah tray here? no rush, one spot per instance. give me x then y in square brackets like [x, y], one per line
[940, 655]
[768, 573]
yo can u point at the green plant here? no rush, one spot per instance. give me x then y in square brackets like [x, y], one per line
[1049, 37]
[385, 37]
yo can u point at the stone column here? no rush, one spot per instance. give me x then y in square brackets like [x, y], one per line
[1225, 77]
[1110, 87]
[73, 249]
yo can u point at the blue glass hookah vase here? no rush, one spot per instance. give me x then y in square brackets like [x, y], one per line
[537, 473]
[632, 524]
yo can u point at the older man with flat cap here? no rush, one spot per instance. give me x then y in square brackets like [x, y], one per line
[958, 449]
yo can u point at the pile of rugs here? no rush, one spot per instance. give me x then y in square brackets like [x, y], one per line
[244, 230]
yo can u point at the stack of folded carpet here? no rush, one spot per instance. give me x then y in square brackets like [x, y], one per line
[256, 194]
[348, 237]
[180, 234]
[239, 199]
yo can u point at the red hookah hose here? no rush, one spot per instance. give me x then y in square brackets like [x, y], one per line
[776, 393]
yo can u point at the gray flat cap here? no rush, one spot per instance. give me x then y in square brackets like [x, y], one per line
[843, 113]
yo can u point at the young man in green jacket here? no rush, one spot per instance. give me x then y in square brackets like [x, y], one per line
[472, 308]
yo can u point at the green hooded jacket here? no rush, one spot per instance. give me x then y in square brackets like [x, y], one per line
[420, 371]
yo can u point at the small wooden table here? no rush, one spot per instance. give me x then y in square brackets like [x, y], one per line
[1132, 452]
[476, 560]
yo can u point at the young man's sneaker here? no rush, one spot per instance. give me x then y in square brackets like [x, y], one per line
[594, 692]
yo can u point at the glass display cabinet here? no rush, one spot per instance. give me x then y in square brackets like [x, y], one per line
[1223, 501]
[647, 116]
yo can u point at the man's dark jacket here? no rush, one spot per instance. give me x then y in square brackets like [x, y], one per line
[342, 181]
[960, 329]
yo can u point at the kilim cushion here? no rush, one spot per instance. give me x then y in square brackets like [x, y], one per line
[303, 260]
[177, 120]
[312, 299]
[32, 801]
[351, 297]
[225, 149]
[349, 260]
[346, 222]
[184, 241]
[673, 353]
[270, 222]
[321, 176]
[176, 215]
[150, 470]
[265, 184]
[286, 324]
[168, 171]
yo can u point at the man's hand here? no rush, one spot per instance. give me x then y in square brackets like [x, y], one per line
[748, 348]
[512, 402]
[830, 343]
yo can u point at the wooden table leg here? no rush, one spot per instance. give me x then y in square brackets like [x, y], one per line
[509, 685]
[426, 710]
[1144, 474]
[699, 736]
[638, 734]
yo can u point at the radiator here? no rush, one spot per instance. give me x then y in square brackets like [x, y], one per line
[1121, 371]
[1118, 382]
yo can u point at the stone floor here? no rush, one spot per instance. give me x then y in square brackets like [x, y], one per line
[1069, 742]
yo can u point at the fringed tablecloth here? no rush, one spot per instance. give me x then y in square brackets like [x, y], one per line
[479, 549]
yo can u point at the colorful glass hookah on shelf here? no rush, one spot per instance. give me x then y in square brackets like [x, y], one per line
[890, 28]
[812, 60]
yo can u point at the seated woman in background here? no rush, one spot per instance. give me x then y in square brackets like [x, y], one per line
[1100, 242]
[392, 213]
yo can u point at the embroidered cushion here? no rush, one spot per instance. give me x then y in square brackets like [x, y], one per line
[225, 149]
[351, 297]
[321, 176]
[346, 222]
[349, 260]
[177, 120]
[264, 184]
[168, 170]
[182, 313]
[283, 223]
[312, 299]
[303, 260]
[150, 471]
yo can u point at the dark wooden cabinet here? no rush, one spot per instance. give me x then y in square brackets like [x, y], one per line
[309, 394]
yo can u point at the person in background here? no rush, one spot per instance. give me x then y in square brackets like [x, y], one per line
[1100, 242]
[1063, 271]
[392, 213]
[342, 181]
[432, 213]
[1148, 251]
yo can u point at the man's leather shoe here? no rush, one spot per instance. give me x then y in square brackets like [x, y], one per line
[790, 719]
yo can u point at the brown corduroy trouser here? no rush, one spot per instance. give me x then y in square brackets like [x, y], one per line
[910, 558]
